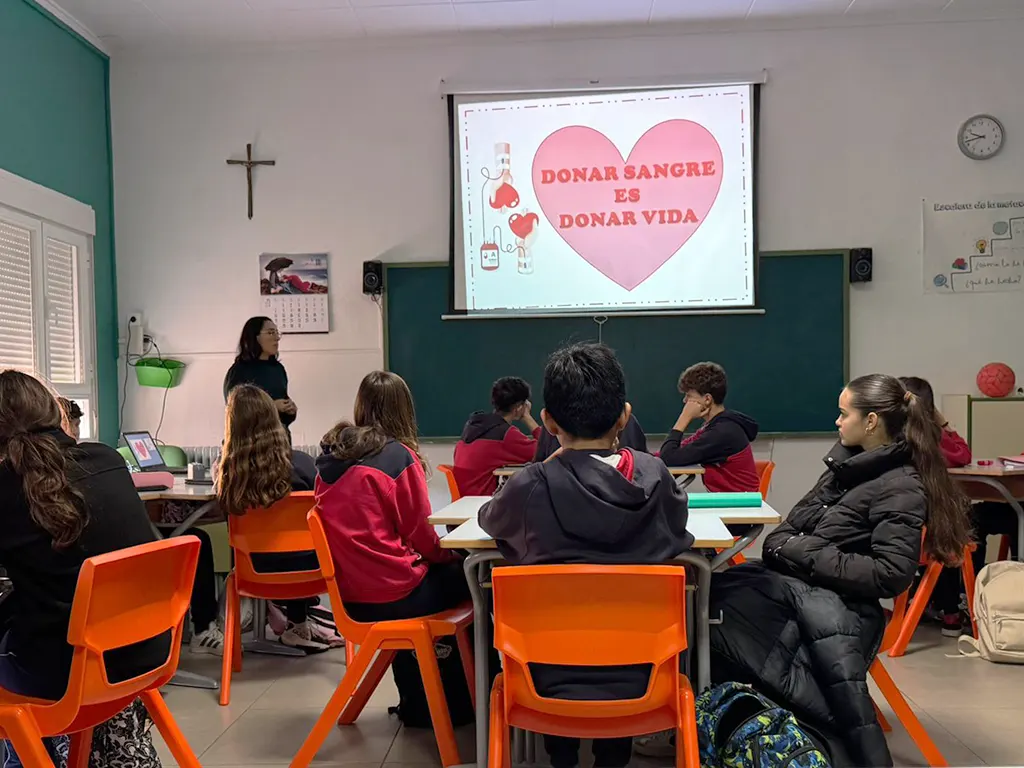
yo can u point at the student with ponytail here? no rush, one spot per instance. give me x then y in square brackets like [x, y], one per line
[61, 503]
[804, 625]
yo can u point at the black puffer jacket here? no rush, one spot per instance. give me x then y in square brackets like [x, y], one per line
[805, 626]
[858, 531]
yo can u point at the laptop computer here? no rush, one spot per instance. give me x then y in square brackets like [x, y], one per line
[147, 455]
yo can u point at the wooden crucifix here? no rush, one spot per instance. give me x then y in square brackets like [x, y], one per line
[249, 164]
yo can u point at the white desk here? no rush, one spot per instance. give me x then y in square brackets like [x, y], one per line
[708, 532]
[684, 475]
[468, 507]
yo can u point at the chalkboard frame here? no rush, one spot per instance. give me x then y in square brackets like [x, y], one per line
[818, 252]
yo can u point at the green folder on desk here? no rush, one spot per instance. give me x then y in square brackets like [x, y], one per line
[724, 500]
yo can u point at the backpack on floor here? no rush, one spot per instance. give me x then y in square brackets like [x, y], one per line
[412, 707]
[739, 728]
[998, 612]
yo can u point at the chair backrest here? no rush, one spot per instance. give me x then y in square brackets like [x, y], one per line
[453, 487]
[278, 528]
[347, 628]
[640, 618]
[122, 598]
[764, 476]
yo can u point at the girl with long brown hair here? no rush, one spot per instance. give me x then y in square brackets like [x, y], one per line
[371, 490]
[257, 469]
[61, 503]
[805, 625]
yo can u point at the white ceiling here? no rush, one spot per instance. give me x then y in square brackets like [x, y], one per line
[143, 22]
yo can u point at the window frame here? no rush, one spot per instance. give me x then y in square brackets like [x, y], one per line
[49, 214]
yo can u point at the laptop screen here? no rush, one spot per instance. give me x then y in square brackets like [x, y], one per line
[143, 449]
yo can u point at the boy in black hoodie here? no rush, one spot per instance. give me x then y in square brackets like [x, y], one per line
[588, 503]
[722, 444]
[490, 441]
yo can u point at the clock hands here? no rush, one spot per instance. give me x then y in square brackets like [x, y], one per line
[974, 137]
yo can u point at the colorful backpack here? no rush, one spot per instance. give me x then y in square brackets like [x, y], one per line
[739, 728]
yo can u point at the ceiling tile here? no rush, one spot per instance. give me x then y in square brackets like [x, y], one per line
[411, 19]
[572, 12]
[505, 15]
[394, 3]
[895, 6]
[686, 10]
[286, 26]
[125, 24]
[297, 5]
[165, 8]
[799, 7]
[987, 8]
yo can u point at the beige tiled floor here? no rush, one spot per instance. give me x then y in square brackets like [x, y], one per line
[973, 710]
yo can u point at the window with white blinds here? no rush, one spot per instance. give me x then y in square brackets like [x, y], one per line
[17, 340]
[45, 301]
[60, 296]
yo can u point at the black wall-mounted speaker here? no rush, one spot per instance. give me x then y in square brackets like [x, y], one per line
[860, 265]
[373, 278]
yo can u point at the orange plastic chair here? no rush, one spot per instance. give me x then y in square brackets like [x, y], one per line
[924, 594]
[453, 487]
[640, 619]
[764, 476]
[121, 598]
[892, 693]
[280, 528]
[365, 672]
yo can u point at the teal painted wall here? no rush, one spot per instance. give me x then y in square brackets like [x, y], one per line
[55, 131]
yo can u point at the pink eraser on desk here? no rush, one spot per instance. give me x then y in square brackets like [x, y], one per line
[153, 479]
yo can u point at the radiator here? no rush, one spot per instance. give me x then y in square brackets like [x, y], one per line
[206, 454]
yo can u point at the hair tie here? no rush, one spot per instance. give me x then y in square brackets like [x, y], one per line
[908, 396]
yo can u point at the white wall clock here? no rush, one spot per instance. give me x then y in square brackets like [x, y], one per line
[981, 137]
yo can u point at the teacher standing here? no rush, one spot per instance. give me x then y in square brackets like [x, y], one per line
[257, 364]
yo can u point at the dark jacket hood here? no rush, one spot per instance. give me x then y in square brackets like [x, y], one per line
[747, 424]
[482, 425]
[594, 501]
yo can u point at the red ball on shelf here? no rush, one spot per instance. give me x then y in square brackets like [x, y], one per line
[996, 380]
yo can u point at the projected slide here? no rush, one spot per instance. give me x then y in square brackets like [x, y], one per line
[612, 202]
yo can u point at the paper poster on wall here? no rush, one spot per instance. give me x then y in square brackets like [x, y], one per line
[619, 201]
[294, 291]
[974, 246]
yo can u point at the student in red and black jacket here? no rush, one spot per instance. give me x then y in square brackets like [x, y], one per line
[371, 491]
[722, 444]
[491, 441]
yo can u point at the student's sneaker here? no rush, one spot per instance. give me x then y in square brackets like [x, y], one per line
[324, 628]
[302, 636]
[952, 625]
[210, 641]
[656, 744]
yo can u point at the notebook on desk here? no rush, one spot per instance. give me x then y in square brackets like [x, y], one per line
[1012, 462]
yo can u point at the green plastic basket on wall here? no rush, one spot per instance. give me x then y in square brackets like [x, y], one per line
[163, 373]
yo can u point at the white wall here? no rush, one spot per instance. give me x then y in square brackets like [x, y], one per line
[857, 125]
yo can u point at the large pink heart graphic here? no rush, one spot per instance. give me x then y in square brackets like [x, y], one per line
[626, 218]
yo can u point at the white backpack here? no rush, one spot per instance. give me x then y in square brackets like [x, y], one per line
[999, 614]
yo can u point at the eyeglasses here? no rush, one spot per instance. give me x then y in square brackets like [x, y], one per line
[274, 334]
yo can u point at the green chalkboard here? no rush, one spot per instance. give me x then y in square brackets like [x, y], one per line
[786, 367]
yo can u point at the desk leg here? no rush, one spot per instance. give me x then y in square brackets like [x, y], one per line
[259, 642]
[185, 679]
[192, 519]
[475, 567]
[742, 543]
[1015, 505]
[685, 481]
[702, 623]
